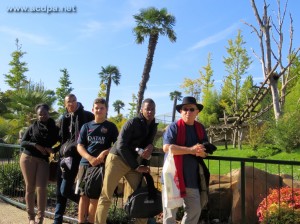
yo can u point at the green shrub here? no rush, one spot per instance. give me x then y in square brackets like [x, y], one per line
[256, 134]
[266, 151]
[285, 134]
[284, 216]
[11, 180]
[117, 216]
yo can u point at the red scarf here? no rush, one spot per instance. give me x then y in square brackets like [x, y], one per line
[178, 159]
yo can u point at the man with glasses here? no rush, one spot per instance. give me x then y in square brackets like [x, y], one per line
[70, 124]
[185, 138]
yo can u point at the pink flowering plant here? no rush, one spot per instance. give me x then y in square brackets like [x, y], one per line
[280, 206]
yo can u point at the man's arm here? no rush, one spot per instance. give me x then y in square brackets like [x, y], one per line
[83, 152]
[169, 143]
[198, 149]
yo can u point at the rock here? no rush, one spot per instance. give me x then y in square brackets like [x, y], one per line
[257, 185]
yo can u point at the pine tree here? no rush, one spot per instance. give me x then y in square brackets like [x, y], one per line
[132, 109]
[15, 77]
[64, 89]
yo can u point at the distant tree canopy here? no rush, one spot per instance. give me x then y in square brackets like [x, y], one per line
[118, 106]
[108, 75]
[175, 96]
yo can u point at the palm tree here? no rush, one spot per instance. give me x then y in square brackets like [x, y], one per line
[118, 105]
[151, 23]
[175, 96]
[22, 103]
[107, 75]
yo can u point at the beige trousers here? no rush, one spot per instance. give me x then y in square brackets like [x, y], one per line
[115, 169]
[36, 173]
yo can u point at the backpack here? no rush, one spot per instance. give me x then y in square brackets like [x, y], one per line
[93, 181]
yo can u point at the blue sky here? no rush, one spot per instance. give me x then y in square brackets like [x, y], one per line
[99, 33]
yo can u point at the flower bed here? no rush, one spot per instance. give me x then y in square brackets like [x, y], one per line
[280, 206]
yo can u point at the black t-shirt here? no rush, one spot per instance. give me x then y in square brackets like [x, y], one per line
[97, 137]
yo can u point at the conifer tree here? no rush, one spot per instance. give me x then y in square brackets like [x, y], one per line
[16, 78]
[64, 89]
[132, 109]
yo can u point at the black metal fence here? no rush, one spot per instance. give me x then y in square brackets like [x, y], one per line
[237, 184]
[12, 187]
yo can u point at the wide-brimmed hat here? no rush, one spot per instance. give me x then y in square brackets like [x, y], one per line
[189, 100]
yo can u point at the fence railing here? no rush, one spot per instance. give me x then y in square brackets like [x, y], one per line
[237, 185]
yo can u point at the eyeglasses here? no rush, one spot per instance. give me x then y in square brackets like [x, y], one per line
[188, 109]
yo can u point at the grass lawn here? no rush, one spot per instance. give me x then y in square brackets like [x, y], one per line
[224, 167]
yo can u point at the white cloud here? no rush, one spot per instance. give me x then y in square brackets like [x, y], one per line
[125, 22]
[91, 27]
[214, 38]
[15, 33]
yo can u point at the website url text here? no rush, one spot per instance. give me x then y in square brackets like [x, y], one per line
[42, 9]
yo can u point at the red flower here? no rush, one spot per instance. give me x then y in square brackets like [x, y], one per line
[278, 199]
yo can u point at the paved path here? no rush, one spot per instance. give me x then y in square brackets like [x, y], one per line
[10, 214]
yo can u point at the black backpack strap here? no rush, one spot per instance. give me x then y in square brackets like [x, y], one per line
[150, 184]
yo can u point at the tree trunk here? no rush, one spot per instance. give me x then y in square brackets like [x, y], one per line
[234, 137]
[275, 99]
[240, 136]
[225, 139]
[146, 72]
[108, 91]
[174, 108]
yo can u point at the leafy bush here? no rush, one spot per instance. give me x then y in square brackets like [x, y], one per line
[285, 134]
[280, 206]
[9, 130]
[267, 150]
[256, 134]
[11, 180]
[118, 120]
[284, 216]
[117, 216]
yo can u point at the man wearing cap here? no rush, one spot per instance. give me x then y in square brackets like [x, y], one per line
[185, 138]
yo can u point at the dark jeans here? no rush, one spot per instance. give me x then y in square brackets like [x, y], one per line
[64, 191]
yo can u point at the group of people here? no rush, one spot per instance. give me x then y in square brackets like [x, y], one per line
[99, 144]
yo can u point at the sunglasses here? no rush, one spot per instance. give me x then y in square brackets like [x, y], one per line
[188, 109]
